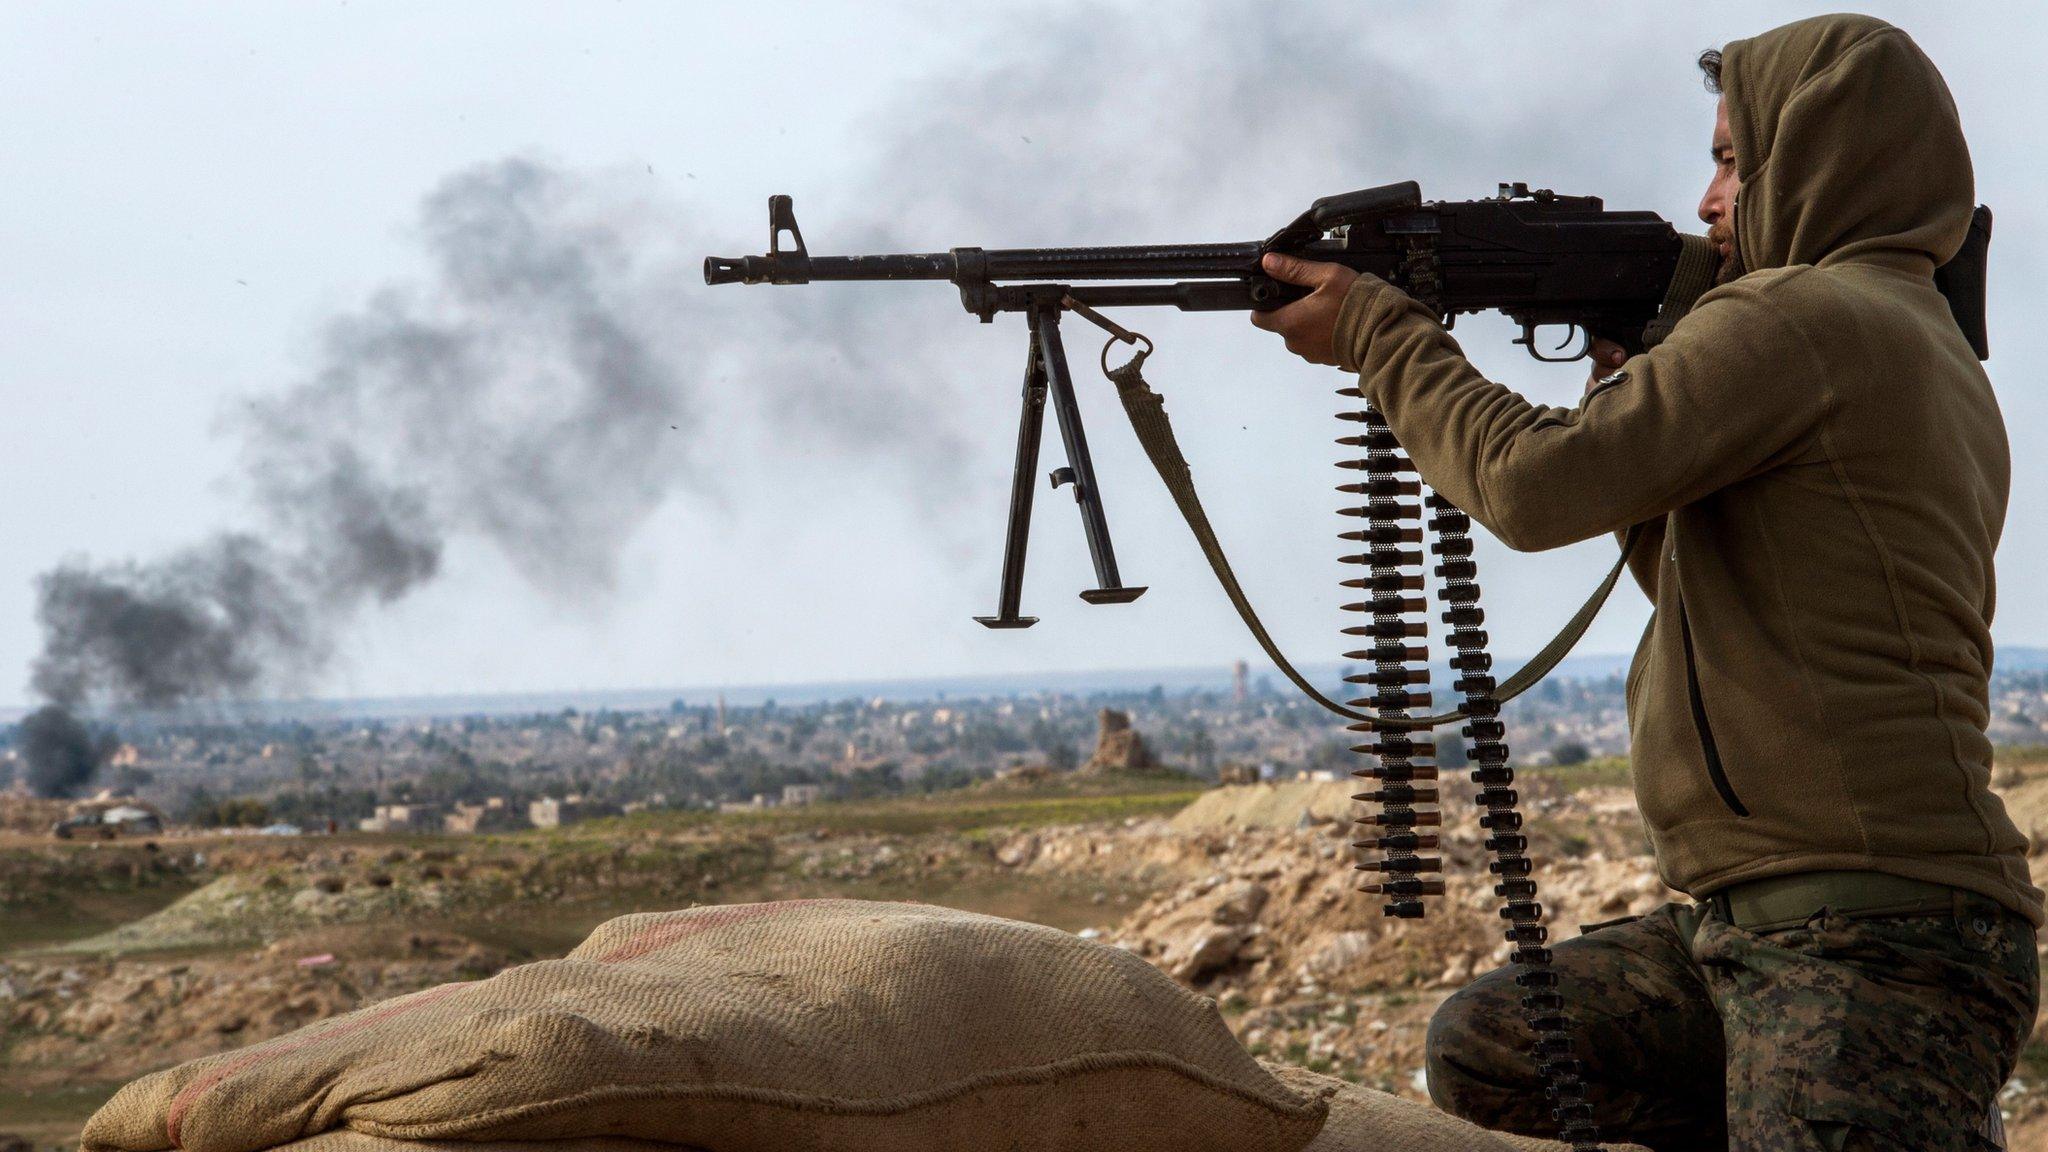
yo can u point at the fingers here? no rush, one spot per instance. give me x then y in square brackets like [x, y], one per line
[1294, 270]
[1607, 357]
[1307, 325]
[1300, 325]
[1288, 317]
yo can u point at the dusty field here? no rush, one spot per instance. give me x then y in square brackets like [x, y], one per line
[119, 959]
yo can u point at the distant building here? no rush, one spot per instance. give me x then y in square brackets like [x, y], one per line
[799, 794]
[549, 812]
[493, 815]
[108, 815]
[403, 818]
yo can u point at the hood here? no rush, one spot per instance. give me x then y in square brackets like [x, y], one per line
[1848, 146]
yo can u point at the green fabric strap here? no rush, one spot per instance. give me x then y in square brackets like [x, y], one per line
[1147, 412]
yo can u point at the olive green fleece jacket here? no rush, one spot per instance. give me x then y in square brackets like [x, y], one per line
[1823, 470]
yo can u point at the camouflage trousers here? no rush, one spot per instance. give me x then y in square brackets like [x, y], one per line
[1695, 1034]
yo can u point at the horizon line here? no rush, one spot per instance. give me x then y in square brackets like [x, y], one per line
[513, 701]
[1007, 683]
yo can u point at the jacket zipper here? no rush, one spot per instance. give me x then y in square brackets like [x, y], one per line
[1715, 772]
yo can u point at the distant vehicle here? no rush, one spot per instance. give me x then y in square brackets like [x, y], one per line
[109, 824]
[279, 829]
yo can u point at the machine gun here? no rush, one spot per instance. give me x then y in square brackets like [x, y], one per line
[1542, 258]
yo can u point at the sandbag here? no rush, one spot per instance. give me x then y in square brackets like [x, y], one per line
[344, 1140]
[1365, 1120]
[1361, 1120]
[819, 1025]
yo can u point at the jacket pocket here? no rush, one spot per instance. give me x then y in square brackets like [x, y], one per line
[1708, 749]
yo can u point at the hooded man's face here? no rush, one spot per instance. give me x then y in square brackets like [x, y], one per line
[1717, 207]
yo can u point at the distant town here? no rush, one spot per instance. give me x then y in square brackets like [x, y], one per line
[489, 772]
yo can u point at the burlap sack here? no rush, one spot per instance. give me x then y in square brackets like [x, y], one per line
[344, 1140]
[823, 1026]
[1364, 1120]
[1361, 1120]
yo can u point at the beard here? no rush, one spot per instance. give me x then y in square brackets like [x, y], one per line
[1722, 235]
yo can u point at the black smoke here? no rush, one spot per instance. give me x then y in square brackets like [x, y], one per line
[58, 753]
[511, 395]
[221, 618]
[529, 389]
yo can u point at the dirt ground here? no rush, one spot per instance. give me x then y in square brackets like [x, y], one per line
[119, 959]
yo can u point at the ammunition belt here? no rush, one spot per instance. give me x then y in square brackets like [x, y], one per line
[1392, 639]
[1403, 767]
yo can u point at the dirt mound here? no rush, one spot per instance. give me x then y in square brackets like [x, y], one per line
[1278, 914]
[264, 907]
[50, 873]
[1285, 805]
[111, 1020]
[2026, 801]
[1269, 920]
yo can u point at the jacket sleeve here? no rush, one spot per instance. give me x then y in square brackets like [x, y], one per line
[1734, 388]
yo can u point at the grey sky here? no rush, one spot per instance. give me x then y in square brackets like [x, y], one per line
[191, 194]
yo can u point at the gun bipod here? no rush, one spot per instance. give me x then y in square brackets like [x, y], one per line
[1046, 375]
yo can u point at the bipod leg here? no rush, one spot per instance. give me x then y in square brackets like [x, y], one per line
[1023, 479]
[1080, 469]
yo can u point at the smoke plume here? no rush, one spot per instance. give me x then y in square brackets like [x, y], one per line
[58, 753]
[219, 618]
[516, 394]
[510, 396]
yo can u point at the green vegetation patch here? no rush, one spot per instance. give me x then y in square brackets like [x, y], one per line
[53, 1114]
[81, 915]
[1603, 772]
[2033, 1067]
[965, 810]
[2021, 756]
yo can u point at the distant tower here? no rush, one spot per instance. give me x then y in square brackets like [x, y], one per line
[721, 713]
[1240, 689]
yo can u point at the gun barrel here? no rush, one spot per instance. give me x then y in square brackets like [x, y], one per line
[1125, 262]
[797, 268]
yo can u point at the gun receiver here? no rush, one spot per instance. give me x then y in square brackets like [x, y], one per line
[1543, 259]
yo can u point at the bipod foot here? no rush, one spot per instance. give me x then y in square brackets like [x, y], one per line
[1113, 595]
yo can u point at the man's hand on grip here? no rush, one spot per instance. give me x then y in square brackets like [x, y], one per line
[1309, 325]
[1607, 357]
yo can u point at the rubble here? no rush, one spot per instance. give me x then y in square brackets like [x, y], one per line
[108, 1020]
[1118, 747]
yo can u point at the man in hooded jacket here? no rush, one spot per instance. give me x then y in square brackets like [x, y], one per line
[1821, 471]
